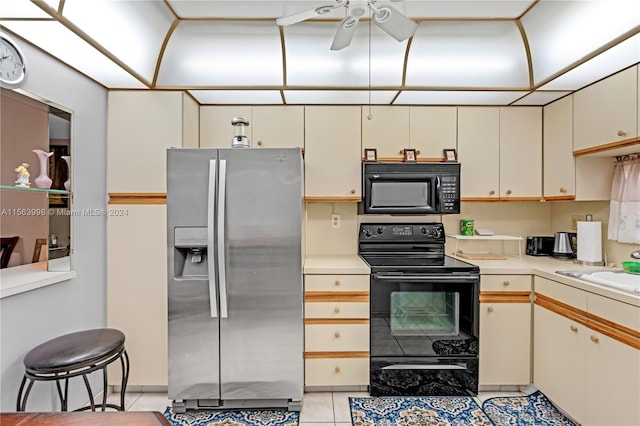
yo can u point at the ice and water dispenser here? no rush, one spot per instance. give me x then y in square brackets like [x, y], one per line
[190, 257]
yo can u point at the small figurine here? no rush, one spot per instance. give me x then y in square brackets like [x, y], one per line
[22, 180]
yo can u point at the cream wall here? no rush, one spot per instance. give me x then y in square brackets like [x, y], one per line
[511, 218]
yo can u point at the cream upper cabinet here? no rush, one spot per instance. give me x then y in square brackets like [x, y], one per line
[387, 131]
[558, 162]
[521, 153]
[606, 112]
[269, 126]
[141, 126]
[432, 129]
[216, 130]
[277, 127]
[479, 152]
[332, 153]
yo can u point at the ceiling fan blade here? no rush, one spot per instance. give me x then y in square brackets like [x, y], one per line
[344, 33]
[394, 23]
[308, 14]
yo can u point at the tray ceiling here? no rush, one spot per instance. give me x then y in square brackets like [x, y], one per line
[505, 52]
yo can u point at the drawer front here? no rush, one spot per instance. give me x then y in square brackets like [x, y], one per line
[336, 337]
[336, 282]
[562, 293]
[612, 310]
[336, 372]
[336, 310]
[505, 282]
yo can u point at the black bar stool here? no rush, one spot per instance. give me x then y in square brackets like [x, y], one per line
[76, 354]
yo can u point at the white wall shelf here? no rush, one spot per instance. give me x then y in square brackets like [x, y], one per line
[503, 238]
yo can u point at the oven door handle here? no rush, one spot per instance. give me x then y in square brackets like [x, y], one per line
[425, 367]
[426, 277]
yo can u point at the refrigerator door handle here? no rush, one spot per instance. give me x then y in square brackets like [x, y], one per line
[222, 275]
[210, 244]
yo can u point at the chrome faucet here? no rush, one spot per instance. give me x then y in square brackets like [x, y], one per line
[635, 254]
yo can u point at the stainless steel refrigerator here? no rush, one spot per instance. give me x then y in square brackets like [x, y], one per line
[235, 303]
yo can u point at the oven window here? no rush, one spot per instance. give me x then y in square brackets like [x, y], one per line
[434, 313]
[400, 194]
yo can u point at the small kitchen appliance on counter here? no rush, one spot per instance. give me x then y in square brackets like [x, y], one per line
[564, 245]
[540, 245]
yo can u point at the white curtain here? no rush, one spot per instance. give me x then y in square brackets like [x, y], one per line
[624, 215]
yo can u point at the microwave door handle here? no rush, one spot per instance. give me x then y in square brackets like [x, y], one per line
[438, 207]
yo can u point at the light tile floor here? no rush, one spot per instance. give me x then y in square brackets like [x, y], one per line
[318, 408]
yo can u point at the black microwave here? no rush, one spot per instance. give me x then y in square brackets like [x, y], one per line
[411, 188]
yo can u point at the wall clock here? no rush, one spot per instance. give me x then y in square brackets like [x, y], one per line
[13, 71]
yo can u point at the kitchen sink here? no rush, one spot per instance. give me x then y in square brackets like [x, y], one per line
[619, 280]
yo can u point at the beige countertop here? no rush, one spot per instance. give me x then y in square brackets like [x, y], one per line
[345, 264]
[543, 266]
[546, 267]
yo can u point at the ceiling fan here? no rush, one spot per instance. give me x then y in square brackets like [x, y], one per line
[389, 19]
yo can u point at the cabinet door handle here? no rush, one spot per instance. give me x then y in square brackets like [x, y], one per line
[337, 335]
[505, 283]
[574, 328]
[259, 143]
[563, 190]
[490, 309]
[508, 192]
[353, 191]
[594, 339]
[622, 133]
[418, 152]
[492, 192]
[401, 151]
[337, 369]
[337, 283]
[337, 311]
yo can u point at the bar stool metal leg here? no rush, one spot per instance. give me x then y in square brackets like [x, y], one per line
[86, 383]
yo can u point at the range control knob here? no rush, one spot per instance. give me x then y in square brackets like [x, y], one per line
[367, 233]
[424, 231]
[380, 230]
[437, 232]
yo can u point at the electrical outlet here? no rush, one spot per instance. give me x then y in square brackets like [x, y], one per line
[575, 218]
[335, 220]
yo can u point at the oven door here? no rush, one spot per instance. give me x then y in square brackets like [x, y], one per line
[424, 334]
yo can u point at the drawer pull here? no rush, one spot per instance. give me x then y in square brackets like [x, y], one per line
[492, 192]
[353, 191]
[490, 309]
[337, 369]
[336, 310]
[337, 282]
[622, 133]
[337, 334]
[563, 190]
[508, 192]
[574, 328]
[505, 283]
[594, 339]
[259, 143]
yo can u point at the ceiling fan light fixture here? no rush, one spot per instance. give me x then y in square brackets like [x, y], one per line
[344, 33]
[394, 23]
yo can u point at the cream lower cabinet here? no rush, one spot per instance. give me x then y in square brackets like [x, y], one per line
[505, 330]
[587, 354]
[336, 330]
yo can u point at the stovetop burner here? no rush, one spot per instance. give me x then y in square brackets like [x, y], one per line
[408, 247]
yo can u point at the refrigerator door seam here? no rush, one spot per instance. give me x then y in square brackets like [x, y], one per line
[210, 245]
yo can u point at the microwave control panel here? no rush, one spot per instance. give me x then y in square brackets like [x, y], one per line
[449, 193]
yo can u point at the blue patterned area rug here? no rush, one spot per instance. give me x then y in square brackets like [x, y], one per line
[534, 409]
[413, 411]
[233, 418]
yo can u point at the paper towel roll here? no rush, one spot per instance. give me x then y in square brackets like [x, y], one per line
[590, 242]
